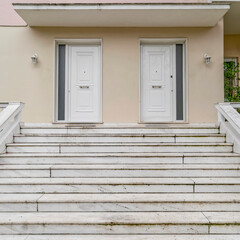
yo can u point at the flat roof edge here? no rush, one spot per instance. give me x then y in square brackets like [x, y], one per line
[118, 6]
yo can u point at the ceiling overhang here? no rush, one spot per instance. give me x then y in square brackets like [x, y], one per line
[121, 15]
[232, 19]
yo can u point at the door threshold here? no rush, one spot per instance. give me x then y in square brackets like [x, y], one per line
[78, 123]
[183, 122]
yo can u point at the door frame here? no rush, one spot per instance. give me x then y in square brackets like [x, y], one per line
[78, 42]
[168, 41]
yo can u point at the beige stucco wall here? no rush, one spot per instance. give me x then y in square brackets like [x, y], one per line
[232, 46]
[34, 84]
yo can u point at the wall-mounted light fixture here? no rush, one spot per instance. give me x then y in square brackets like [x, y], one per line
[34, 58]
[207, 58]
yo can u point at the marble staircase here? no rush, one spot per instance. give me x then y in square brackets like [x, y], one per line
[119, 181]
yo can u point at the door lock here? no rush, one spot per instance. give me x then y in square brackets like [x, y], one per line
[84, 86]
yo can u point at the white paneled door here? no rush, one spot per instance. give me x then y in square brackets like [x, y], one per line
[84, 84]
[156, 83]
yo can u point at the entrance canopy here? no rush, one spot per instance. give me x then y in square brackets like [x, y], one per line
[126, 14]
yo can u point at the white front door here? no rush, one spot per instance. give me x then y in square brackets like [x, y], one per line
[156, 83]
[84, 100]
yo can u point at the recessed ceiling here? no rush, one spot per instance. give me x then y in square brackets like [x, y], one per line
[232, 19]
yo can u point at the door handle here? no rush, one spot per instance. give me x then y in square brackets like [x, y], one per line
[156, 86]
[84, 86]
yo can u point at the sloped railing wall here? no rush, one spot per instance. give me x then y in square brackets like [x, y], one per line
[10, 116]
[229, 119]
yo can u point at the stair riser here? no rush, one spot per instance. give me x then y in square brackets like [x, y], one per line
[121, 207]
[225, 229]
[113, 149]
[118, 139]
[118, 131]
[200, 139]
[23, 237]
[103, 229]
[70, 188]
[217, 189]
[18, 207]
[118, 173]
[25, 173]
[211, 160]
[34, 160]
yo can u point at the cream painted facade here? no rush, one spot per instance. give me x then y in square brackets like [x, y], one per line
[232, 46]
[34, 84]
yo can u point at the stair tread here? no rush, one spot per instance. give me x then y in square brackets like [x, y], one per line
[104, 218]
[96, 181]
[19, 198]
[120, 181]
[143, 198]
[121, 218]
[222, 218]
[216, 181]
[123, 167]
[119, 125]
[121, 198]
[151, 166]
[120, 135]
[117, 144]
[120, 237]
[131, 154]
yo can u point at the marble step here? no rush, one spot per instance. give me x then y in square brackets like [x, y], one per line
[120, 223]
[216, 185]
[120, 237]
[178, 170]
[81, 138]
[118, 125]
[119, 158]
[119, 185]
[118, 128]
[120, 171]
[119, 202]
[96, 185]
[116, 147]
